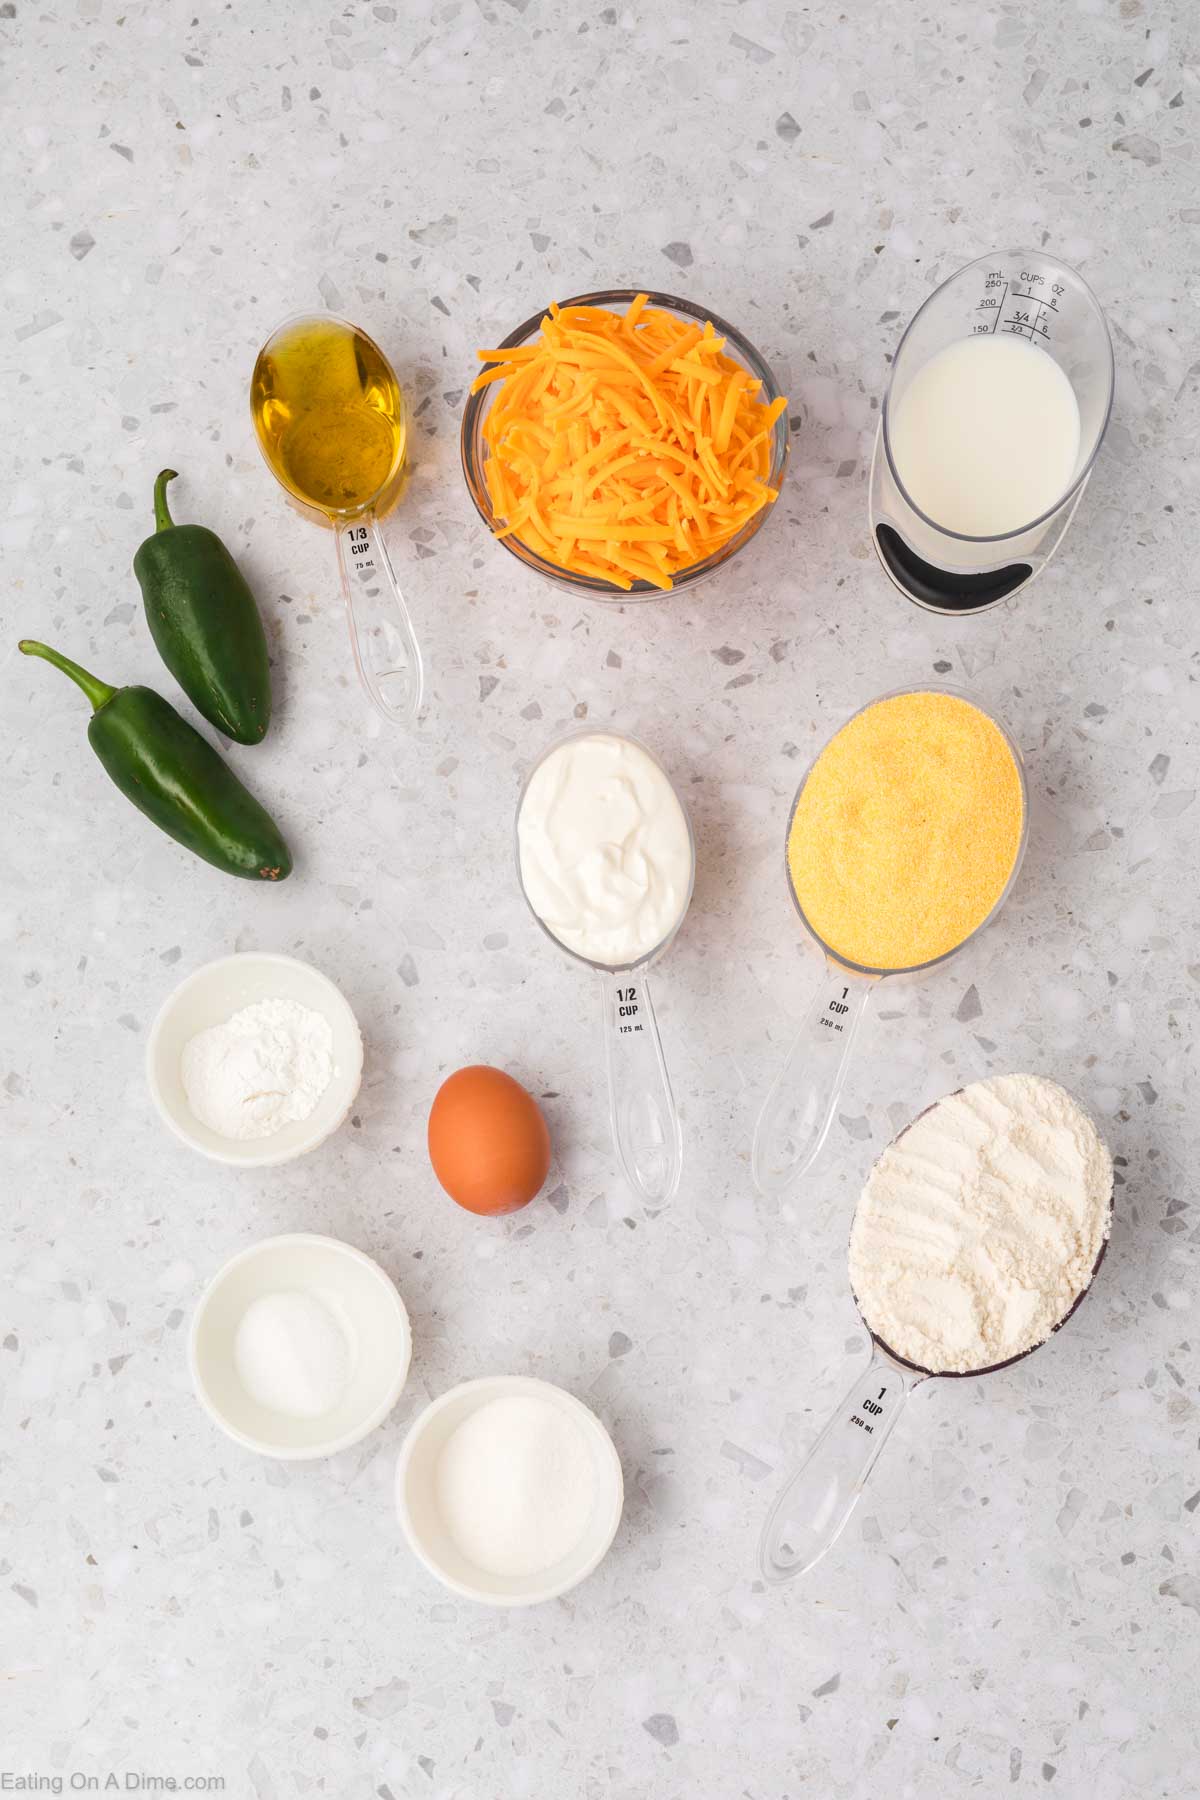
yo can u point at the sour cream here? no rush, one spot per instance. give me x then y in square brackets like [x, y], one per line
[605, 851]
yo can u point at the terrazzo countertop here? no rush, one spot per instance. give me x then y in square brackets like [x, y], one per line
[1015, 1607]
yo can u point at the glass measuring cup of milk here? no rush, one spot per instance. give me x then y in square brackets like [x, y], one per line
[982, 452]
[584, 893]
[802, 1104]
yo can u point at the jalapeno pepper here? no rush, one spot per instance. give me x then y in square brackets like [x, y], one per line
[204, 622]
[175, 777]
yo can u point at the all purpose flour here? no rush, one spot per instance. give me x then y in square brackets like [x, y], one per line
[980, 1225]
[267, 1065]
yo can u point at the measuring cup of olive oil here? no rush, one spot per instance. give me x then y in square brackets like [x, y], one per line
[333, 427]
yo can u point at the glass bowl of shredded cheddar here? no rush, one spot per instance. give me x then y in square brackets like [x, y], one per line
[625, 443]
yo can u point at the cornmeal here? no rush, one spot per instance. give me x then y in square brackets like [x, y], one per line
[906, 831]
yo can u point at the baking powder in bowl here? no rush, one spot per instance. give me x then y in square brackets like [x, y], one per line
[980, 1225]
[515, 1485]
[259, 1070]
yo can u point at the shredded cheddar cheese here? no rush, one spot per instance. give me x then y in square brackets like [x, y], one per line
[624, 446]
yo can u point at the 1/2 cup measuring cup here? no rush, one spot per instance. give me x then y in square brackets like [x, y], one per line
[802, 1104]
[332, 425]
[815, 1506]
[1019, 295]
[642, 1113]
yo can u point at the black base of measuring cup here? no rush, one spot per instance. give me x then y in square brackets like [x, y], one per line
[944, 590]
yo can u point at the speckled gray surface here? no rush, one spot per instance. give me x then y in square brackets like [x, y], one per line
[1015, 1607]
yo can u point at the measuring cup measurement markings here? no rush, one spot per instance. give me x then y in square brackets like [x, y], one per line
[332, 425]
[1023, 322]
[801, 1106]
[643, 1117]
[951, 567]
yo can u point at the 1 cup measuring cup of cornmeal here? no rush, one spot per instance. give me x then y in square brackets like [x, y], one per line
[606, 862]
[978, 1233]
[332, 425]
[904, 839]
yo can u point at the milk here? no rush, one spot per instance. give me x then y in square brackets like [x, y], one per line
[985, 437]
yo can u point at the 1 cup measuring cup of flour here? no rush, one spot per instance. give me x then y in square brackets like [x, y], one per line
[814, 1507]
[998, 400]
[802, 1104]
[607, 862]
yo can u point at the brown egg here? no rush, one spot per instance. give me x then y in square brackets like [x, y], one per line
[488, 1141]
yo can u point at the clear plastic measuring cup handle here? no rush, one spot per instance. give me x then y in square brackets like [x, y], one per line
[799, 1109]
[812, 1511]
[385, 647]
[645, 1124]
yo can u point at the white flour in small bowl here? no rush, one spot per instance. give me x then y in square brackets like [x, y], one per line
[267, 1065]
[980, 1225]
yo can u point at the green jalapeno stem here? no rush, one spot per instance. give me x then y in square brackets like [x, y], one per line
[162, 518]
[97, 691]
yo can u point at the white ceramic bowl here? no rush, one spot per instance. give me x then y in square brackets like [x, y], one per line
[421, 1522]
[359, 1293]
[213, 994]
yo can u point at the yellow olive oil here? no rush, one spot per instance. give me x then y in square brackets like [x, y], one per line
[330, 416]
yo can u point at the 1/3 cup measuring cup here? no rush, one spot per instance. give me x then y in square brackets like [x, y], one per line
[332, 425]
[815, 1506]
[643, 1117]
[802, 1104]
[1022, 296]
